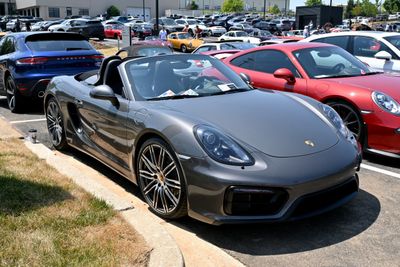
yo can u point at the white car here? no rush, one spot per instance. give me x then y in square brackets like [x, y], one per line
[223, 46]
[63, 27]
[239, 36]
[380, 50]
[192, 25]
[216, 30]
[392, 17]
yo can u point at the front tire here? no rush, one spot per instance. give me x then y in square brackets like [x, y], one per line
[55, 125]
[351, 118]
[160, 179]
[15, 100]
[183, 48]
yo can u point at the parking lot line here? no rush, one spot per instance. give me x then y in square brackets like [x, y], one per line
[375, 169]
[24, 121]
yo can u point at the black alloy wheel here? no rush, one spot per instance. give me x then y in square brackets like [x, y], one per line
[350, 117]
[14, 98]
[55, 124]
[160, 179]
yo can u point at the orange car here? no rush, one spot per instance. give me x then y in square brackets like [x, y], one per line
[183, 41]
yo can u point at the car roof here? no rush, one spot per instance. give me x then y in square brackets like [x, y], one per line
[375, 34]
[25, 34]
[288, 47]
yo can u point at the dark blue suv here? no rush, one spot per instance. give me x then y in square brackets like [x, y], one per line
[29, 60]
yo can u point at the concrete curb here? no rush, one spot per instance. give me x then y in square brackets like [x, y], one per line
[165, 251]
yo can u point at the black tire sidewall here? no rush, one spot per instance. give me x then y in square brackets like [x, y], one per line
[181, 209]
[63, 144]
[18, 99]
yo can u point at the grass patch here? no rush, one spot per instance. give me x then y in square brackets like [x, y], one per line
[46, 220]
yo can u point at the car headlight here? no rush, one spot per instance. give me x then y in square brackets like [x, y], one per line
[220, 147]
[337, 121]
[386, 103]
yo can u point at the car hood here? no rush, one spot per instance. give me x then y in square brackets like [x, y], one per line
[385, 83]
[268, 121]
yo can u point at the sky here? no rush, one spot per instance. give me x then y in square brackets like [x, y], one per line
[294, 3]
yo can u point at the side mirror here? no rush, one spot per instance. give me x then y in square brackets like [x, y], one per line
[383, 55]
[245, 78]
[285, 74]
[104, 92]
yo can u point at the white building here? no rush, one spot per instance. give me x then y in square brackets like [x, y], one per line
[7, 7]
[250, 5]
[51, 9]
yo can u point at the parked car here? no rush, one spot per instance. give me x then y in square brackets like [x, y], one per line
[62, 27]
[241, 27]
[183, 41]
[191, 139]
[239, 36]
[282, 24]
[142, 30]
[155, 40]
[220, 54]
[192, 25]
[46, 25]
[113, 31]
[37, 26]
[169, 24]
[367, 101]
[278, 41]
[144, 50]
[88, 28]
[29, 60]
[380, 50]
[263, 25]
[234, 45]
[262, 35]
[215, 31]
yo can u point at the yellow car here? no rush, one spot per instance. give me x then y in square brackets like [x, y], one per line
[184, 41]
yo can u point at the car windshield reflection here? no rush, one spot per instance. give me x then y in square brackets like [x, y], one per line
[181, 76]
[330, 62]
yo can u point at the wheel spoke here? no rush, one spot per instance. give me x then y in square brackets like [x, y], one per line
[167, 170]
[149, 187]
[153, 156]
[171, 196]
[173, 183]
[148, 164]
[156, 196]
[163, 200]
[161, 158]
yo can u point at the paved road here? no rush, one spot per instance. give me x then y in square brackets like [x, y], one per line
[365, 232]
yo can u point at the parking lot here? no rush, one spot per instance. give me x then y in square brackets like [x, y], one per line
[363, 233]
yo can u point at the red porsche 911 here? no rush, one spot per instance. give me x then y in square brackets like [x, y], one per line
[367, 101]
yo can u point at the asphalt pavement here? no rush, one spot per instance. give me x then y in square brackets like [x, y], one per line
[365, 232]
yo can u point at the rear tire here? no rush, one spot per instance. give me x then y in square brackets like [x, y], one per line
[15, 100]
[55, 125]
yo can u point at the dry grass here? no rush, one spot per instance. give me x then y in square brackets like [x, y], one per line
[45, 220]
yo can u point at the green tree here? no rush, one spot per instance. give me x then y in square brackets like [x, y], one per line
[113, 11]
[392, 6]
[313, 2]
[368, 9]
[233, 6]
[349, 9]
[193, 6]
[274, 9]
[357, 10]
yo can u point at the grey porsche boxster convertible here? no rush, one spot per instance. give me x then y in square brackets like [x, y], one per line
[199, 141]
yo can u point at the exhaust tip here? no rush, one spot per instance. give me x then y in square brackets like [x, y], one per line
[41, 94]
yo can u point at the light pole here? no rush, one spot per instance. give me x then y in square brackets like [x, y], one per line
[144, 11]
[157, 20]
[265, 6]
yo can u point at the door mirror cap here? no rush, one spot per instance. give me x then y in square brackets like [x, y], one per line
[285, 74]
[383, 55]
[104, 92]
[245, 77]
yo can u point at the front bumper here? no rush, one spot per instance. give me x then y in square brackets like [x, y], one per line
[307, 179]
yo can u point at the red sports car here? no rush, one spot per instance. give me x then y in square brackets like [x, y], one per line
[367, 101]
[113, 31]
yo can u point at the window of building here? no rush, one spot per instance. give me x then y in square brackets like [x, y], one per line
[54, 12]
[84, 12]
[37, 12]
[69, 11]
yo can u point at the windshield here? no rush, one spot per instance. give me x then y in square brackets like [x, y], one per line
[191, 22]
[184, 36]
[181, 76]
[241, 46]
[169, 22]
[394, 40]
[329, 62]
[265, 33]
[241, 34]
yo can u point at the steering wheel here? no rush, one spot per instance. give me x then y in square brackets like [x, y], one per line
[199, 82]
[339, 67]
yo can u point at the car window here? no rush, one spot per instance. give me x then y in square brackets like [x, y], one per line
[8, 46]
[202, 49]
[368, 47]
[394, 40]
[341, 41]
[267, 61]
[225, 47]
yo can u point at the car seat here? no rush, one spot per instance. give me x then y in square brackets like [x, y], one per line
[112, 77]
[165, 79]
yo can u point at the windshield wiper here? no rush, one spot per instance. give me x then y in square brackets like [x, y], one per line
[373, 73]
[172, 97]
[335, 76]
[236, 90]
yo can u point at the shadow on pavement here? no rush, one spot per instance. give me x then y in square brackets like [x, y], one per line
[33, 106]
[381, 160]
[18, 195]
[283, 238]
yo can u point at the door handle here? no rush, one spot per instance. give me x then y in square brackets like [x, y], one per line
[78, 102]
